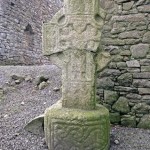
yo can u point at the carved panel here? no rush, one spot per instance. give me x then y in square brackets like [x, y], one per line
[79, 36]
[78, 7]
[76, 135]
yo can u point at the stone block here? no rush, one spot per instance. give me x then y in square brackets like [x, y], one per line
[128, 120]
[144, 91]
[128, 5]
[77, 129]
[145, 62]
[125, 53]
[125, 79]
[144, 9]
[115, 118]
[146, 37]
[131, 41]
[139, 50]
[117, 58]
[129, 18]
[105, 83]
[141, 83]
[110, 96]
[145, 69]
[110, 72]
[149, 27]
[121, 65]
[122, 105]
[125, 89]
[133, 96]
[133, 64]
[143, 75]
[109, 41]
[133, 70]
[131, 35]
[144, 122]
[141, 108]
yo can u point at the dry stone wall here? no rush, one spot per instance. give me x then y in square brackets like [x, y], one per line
[124, 87]
[20, 30]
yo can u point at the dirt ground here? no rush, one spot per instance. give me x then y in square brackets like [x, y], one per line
[25, 92]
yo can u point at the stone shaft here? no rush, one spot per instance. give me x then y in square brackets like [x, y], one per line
[71, 41]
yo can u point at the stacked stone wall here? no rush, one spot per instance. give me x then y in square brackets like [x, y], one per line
[124, 86]
[20, 30]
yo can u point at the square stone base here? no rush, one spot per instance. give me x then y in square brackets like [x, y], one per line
[74, 129]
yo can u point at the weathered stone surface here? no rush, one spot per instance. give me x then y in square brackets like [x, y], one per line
[107, 4]
[125, 89]
[115, 118]
[133, 70]
[39, 79]
[131, 34]
[144, 8]
[66, 125]
[149, 27]
[21, 39]
[133, 64]
[129, 18]
[144, 122]
[146, 37]
[146, 97]
[122, 105]
[69, 49]
[16, 77]
[117, 30]
[145, 69]
[139, 50]
[109, 41]
[36, 125]
[128, 120]
[71, 41]
[145, 62]
[141, 108]
[141, 83]
[112, 65]
[134, 96]
[42, 85]
[125, 53]
[131, 41]
[121, 65]
[144, 75]
[125, 79]
[102, 60]
[117, 58]
[110, 96]
[105, 83]
[143, 91]
[110, 72]
[140, 2]
[128, 5]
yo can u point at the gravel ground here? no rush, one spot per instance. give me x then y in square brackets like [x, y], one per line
[24, 101]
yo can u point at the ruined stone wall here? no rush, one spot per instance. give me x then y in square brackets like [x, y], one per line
[20, 30]
[124, 87]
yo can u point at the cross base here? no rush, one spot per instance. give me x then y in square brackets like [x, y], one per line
[75, 129]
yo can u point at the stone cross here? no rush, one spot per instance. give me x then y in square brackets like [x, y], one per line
[71, 41]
